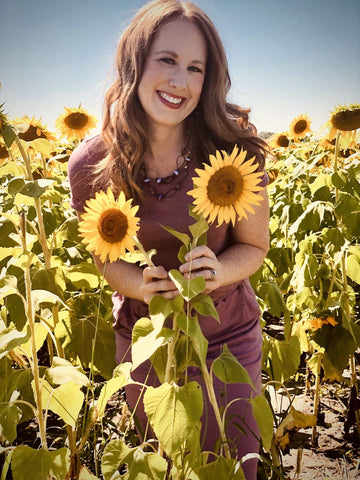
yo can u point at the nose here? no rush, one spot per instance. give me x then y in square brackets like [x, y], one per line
[178, 78]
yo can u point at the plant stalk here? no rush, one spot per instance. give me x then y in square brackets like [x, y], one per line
[212, 397]
[35, 364]
[317, 396]
[42, 234]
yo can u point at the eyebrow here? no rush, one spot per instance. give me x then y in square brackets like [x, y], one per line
[175, 55]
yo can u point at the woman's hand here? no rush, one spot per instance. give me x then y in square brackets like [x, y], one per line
[156, 282]
[201, 261]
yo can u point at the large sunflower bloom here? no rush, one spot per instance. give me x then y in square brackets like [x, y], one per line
[227, 187]
[300, 126]
[109, 225]
[75, 122]
[346, 120]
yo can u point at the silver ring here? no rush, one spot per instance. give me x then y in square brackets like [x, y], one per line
[213, 274]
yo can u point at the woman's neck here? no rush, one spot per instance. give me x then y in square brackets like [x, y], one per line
[165, 147]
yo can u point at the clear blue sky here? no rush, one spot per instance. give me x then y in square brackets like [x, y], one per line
[286, 57]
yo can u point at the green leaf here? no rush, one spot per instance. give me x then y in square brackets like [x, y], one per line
[108, 390]
[221, 469]
[147, 338]
[353, 267]
[188, 288]
[173, 411]
[8, 134]
[63, 371]
[229, 370]
[66, 400]
[322, 180]
[29, 188]
[352, 222]
[41, 332]
[145, 465]
[44, 296]
[10, 416]
[84, 275]
[84, 474]
[50, 279]
[346, 204]
[334, 237]
[273, 297]
[162, 305]
[192, 328]
[204, 305]
[199, 230]
[8, 286]
[282, 359]
[338, 342]
[11, 338]
[183, 237]
[77, 336]
[42, 464]
[264, 419]
[19, 380]
[42, 145]
[114, 455]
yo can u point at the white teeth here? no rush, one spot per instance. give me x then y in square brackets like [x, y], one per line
[170, 99]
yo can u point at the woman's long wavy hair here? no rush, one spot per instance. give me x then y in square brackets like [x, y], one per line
[215, 124]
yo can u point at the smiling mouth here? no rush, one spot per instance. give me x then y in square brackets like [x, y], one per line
[171, 100]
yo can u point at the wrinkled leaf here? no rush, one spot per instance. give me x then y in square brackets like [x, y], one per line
[41, 463]
[229, 370]
[172, 411]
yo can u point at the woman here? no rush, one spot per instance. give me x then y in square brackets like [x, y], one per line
[164, 114]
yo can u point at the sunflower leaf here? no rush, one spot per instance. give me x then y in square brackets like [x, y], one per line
[183, 237]
[188, 288]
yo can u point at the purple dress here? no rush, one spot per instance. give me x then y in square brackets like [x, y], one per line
[236, 304]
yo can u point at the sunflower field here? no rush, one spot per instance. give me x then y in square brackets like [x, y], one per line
[63, 414]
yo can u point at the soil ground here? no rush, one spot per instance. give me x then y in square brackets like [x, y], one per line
[336, 454]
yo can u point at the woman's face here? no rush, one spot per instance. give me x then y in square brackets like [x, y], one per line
[174, 73]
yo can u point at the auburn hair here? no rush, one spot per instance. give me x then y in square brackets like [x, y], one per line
[215, 123]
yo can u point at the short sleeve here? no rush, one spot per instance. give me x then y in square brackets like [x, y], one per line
[80, 170]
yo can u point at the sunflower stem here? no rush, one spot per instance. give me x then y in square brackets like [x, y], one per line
[42, 234]
[140, 247]
[337, 149]
[317, 396]
[212, 397]
[34, 365]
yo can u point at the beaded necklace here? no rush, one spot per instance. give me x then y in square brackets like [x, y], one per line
[180, 174]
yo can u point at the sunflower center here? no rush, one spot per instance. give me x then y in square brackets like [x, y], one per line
[300, 126]
[112, 225]
[346, 120]
[32, 133]
[225, 186]
[76, 120]
[283, 141]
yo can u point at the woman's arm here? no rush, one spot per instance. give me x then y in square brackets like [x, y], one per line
[250, 244]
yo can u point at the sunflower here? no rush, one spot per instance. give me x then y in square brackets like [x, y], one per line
[300, 126]
[226, 187]
[317, 323]
[30, 129]
[75, 122]
[279, 140]
[109, 225]
[345, 119]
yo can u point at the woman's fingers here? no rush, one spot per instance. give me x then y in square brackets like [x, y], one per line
[202, 262]
[157, 282]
